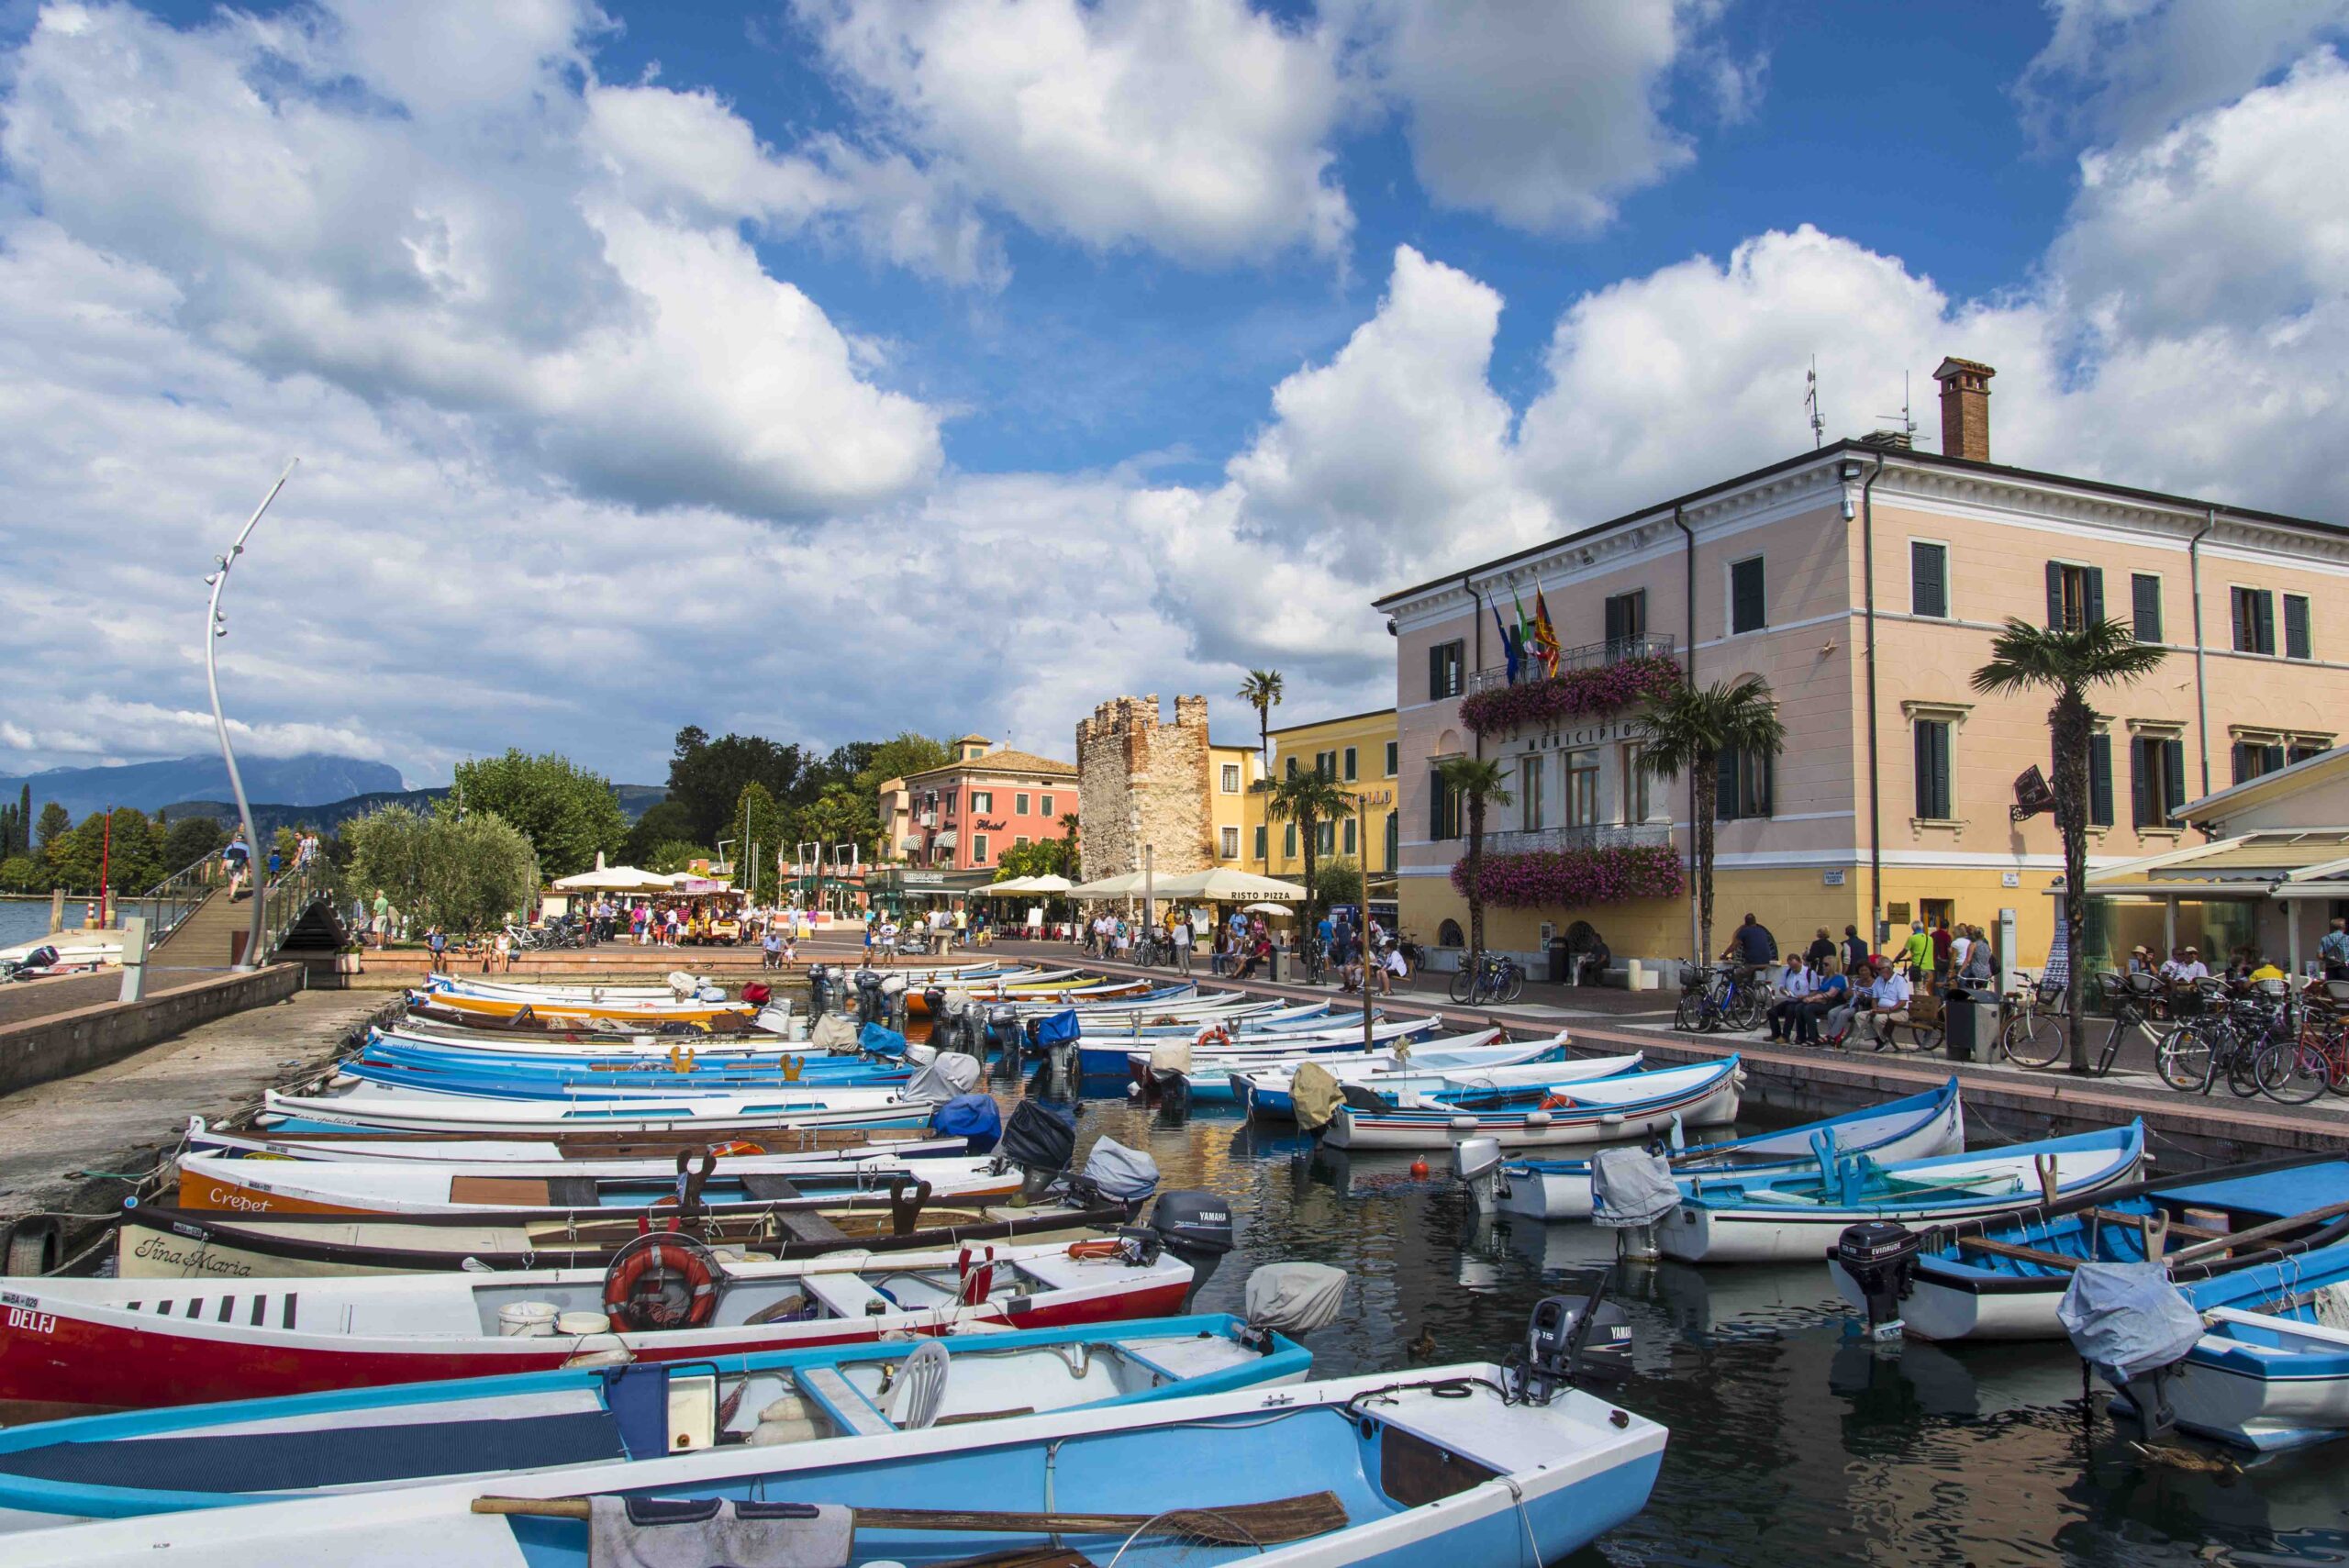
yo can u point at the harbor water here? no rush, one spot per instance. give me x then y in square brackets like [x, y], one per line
[1794, 1442]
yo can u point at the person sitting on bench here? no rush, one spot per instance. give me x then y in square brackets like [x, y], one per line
[1875, 1008]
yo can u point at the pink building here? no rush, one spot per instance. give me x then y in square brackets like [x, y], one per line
[964, 815]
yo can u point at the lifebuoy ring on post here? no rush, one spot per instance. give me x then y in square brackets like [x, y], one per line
[1211, 1034]
[663, 1280]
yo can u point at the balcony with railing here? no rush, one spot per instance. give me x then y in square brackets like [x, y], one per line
[1592, 836]
[1589, 656]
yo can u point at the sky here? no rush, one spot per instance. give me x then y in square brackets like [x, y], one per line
[830, 368]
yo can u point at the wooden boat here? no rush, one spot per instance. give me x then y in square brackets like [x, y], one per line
[1411, 1082]
[2002, 1278]
[78, 1346]
[1265, 1091]
[1733, 1220]
[320, 1187]
[806, 1146]
[1049, 993]
[1440, 1471]
[304, 1445]
[465, 1007]
[751, 1111]
[395, 1066]
[539, 1044]
[156, 1241]
[1105, 1053]
[1611, 1110]
[1913, 1128]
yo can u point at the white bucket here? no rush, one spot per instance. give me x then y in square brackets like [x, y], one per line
[526, 1320]
[572, 1324]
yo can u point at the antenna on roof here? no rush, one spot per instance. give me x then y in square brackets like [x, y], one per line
[1907, 417]
[1811, 405]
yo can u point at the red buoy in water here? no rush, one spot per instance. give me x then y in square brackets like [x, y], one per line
[1419, 1169]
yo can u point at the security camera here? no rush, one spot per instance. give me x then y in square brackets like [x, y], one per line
[1390, 626]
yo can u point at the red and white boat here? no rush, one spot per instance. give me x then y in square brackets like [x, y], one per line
[80, 1346]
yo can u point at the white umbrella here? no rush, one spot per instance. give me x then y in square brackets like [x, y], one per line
[616, 879]
[1124, 886]
[1226, 884]
[1003, 889]
[1277, 911]
[1051, 881]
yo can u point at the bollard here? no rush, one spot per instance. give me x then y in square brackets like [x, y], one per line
[134, 959]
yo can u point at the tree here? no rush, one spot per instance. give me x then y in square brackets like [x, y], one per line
[569, 813]
[20, 873]
[387, 854]
[1479, 783]
[904, 752]
[707, 776]
[129, 857]
[54, 821]
[2067, 662]
[1338, 881]
[663, 822]
[1262, 691]
[759, 829]
[1307, 797]
[190, 839]
[463, 872]
[841, 815]
[672, 856]
[1686, 734]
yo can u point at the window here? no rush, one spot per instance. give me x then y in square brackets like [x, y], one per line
[1582, 789]
[1288, 842]
[982, 801]
[2145, 605]
[2156, 779]
[1528, 791]
[1350, 836]
[1443, 808]
[1044, 806]
[1019, 843]
[2253, 758]
[1019, 805]
[2254, 620]
[1928, 579]
[1260, 841]
[1231, 778]
[978, 849]
[2099, 781]
[1326, 763]
[2074, 595]
[2296, 626]
[2303, 747]
[1352, 772]
[949, 809]
[1637, 782]
[1744, 789]
[1931, 741]
[1444, 671]
[1626, 619]
[1393, 749]
[1291, 764]
[1325, 839]
[1394, 841]
[1745, 609]
[1230, 845]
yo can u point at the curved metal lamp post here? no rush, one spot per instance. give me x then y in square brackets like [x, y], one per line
[216, 626]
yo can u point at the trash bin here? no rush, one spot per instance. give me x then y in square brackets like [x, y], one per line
[1965, 1027]
[1561, 963]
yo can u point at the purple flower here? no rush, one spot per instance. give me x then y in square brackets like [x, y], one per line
[1570, 695]
[1544, 879]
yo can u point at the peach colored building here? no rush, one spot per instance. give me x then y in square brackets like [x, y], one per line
[963, 815]
[1865, 582]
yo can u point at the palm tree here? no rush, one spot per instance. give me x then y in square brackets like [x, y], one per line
[1262, 691]
[1477, 783]
[1307, 797]
[1687, 734]
[2068, 661]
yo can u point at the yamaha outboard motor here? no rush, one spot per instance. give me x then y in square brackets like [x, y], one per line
[1570, 1340]
[820, 984]
[1880, 1256]
[1196, 1228]
[1040, 1143]
[869, 1009]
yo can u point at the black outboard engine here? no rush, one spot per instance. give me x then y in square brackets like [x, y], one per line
[1040, 1144]
[1880, 1256]
[821, 984]
[1196, 1228]
[1003, 1031]
[1569, 1340]
[933, 1001]
[870, 1008]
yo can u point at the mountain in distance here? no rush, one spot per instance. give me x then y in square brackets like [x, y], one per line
[638, 799]
[313, 778]
[330, 816]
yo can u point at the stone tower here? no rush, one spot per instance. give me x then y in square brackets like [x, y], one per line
[1141, 781]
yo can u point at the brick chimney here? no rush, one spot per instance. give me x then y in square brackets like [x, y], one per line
[1965, 409]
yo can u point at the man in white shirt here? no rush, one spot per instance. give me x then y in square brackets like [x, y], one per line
[2185, 966]
[1794, 987]
[1876, 1007]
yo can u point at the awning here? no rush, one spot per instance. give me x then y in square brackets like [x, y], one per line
[2310, 863]
[616, 879]
[1128, 885]
[1227, 885]
[944, 840]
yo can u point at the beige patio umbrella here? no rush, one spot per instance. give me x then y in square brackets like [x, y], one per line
[1227, 885]
[1125, 885]
[1005, 888]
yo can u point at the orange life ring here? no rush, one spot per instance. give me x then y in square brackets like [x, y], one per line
[1216, 1033]
[740, 1146]
[1556, 1103]
[636, 1287]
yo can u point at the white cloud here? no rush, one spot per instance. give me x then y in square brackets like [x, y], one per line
[2126, 71]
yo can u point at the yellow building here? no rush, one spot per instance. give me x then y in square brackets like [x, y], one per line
[1359, 752]
[1235, 806]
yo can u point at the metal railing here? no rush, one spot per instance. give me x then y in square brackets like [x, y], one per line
[171, 901]
[1589, 656]
[290, 897]
[1596, 836]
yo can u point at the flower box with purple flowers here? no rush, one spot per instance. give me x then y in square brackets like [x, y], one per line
[1570, 695]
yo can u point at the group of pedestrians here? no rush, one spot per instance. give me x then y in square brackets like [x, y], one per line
[1836, 993]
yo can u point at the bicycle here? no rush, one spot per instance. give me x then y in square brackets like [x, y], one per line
[2227, 1041]
[1312, 963]
[1714, 996]
[1494, 978]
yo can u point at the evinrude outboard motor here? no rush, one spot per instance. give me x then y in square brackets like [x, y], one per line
[869, 1009]
[1477, 1164]
[1196, 1228]
[1040, 1144]
[1880, 1257]
[820, 985]
[1569, 1340]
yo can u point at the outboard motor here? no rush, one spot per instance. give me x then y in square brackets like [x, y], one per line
[1040, 1144]
[1196, 1228]
[1002, 1030]
[2133, 1325]
[933, 1001]
[820, 986]
[1880, 1257]
[1569, 1340]
[892, 1001]
[1477, 1164]
[868, 998]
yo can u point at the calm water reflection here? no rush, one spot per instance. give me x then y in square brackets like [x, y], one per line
[1792, 1442]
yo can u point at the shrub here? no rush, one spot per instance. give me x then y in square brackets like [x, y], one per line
[1546, 879]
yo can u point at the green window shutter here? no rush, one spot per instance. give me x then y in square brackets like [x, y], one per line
[2055, 595]
[1288, 842]
[2296, 626]
[2145, 607]
[2172, 776]
[1435, 673]
[1615, 619]
[1746, 611]
[2095, 576]
[2240, 602]
[2100, 780]
[1921, 748]
[1928, 579]
[2141, 784]
[1352, 762]
[2263, 617]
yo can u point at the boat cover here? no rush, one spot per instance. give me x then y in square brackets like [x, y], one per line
[878, 1039]
[1295, 1298]
[943, 1077]
[2127, 1319]
[1630, 1187]
[1038, 1138]
[1314, 1094]
[1120, 1172]
[1058, 1028]
[1171, 1056]
[833, 1032]
[971, 1116]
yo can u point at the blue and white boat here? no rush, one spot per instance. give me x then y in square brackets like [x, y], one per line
[363, 1439]
[2001, 1279]
[728, 1112]
[1631, 1105]
[1914, 1128]
[2269, 1368]
[1459, 1059]
[1430, 1469]
[1103, 1053]
[392, 1067]
[1775, 1219]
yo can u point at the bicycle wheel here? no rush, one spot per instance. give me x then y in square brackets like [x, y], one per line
[2032, 1039]
[1688, 1014]
[1513, 985]
[2336, 1057]
[2242, 1068]
[2292, 1072]
[2184, 1060]
[1918, 1037]
[1462, 981]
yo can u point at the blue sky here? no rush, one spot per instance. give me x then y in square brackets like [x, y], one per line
[834, 366]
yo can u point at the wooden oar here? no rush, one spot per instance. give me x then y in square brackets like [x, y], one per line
[1241, 1524]
[2256, 1233]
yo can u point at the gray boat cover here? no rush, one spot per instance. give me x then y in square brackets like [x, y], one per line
[942, 1077]
[1295, 1298]
[833, 1032]
[1630, 1187]
[1120, 1172]
[2127, 1318]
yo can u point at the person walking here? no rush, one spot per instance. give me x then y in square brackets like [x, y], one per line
[1942, 940]
[382, 919]
[2333, 948]
[1917, 952]
[1181, 932]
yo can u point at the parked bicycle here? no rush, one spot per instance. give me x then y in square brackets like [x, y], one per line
[1494, 979]
[1721, 996]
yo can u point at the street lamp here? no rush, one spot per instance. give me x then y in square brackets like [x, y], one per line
[1364, 801]
[216, 626]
